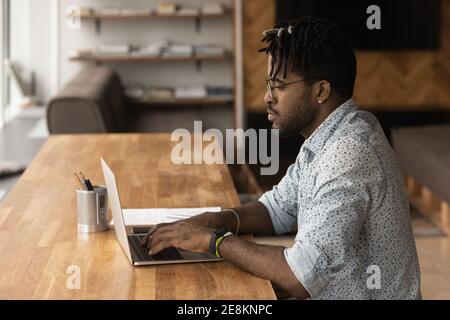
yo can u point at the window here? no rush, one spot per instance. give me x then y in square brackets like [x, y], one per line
[4, 54]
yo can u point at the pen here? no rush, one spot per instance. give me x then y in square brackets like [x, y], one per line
[82, 183]
[87, 182]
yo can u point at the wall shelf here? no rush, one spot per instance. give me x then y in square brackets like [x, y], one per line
[182, 102]
[130, 58]
[98, 18]
[103, 19]
[147, 16]
[97, 59]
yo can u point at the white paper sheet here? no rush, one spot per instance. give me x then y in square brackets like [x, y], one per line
[152, 216]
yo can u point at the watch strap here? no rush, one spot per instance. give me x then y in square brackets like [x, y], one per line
[214, 236]
[219, 240]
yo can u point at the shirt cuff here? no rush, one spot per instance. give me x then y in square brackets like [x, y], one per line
[279, 226]
[309, 266]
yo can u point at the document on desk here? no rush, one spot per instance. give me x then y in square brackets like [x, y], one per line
[152, 216]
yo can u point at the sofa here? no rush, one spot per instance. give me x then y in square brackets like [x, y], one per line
[91, 102]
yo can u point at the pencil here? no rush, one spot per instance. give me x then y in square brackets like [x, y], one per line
[82, 176]
[77, 181]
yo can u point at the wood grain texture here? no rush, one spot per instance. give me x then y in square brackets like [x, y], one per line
[386, 80]
[38, 224]
[259, 15]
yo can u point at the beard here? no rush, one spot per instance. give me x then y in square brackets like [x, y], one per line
[296, 118]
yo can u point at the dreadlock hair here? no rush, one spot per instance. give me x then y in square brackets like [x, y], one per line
[315, 49]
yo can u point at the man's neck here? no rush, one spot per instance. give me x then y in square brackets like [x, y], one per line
[324, 111]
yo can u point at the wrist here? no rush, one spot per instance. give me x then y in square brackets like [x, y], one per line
[216, 237]
[220, 243]
[229, 220]
[211, 220]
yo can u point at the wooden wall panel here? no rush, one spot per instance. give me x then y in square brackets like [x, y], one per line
[259, 15]
[389, 80]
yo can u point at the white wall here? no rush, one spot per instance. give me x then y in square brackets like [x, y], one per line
[41, 30]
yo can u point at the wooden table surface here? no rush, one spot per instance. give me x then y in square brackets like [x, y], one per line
[38, 224]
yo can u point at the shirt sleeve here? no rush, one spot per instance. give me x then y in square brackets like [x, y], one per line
[281, 201]
[345, 189]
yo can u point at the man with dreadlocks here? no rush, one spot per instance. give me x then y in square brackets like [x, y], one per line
[344, 193]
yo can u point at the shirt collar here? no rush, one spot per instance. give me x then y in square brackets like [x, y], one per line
[320, 136]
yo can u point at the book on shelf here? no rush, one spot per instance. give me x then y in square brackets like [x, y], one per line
[219, 92]
[113, 50]
[160, 94]
[136, 12]
[158, 49]
[152, 50]
[155, 94]
[188, 12]
[167, 8]
[190, 92]
[178, 50]
[137, 92]
[213, 9]
[209, 50]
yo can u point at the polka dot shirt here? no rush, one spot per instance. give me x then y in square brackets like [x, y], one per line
[346, 196]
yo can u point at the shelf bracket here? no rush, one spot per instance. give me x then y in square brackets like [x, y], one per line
[198, 65]
[98, 26]
[198, 24]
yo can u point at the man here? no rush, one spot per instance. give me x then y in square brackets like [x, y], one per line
[344, 193]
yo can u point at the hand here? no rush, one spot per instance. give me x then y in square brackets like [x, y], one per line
[207, 219]
[180, 234]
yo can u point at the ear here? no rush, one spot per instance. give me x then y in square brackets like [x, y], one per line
[323, 91]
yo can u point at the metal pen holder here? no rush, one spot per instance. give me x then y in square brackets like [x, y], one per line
[92, 207]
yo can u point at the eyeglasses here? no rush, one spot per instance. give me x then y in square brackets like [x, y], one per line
[270, 86]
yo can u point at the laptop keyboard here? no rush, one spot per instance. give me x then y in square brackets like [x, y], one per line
[170, 253]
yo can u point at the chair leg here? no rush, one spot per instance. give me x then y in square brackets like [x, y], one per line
[445, 212]
[412, 186]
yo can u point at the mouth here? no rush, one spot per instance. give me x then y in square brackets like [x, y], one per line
[271, 115]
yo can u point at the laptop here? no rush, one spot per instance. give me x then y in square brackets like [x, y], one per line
[131, 243]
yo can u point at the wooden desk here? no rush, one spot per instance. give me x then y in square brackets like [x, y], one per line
[38, 224]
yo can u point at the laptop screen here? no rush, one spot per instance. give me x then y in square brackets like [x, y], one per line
[116, 208]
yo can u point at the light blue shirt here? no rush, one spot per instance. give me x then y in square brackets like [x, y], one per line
[346, 194]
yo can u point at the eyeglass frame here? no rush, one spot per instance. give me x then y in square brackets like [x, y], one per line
[270, 88]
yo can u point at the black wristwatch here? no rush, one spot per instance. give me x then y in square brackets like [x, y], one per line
[217, 235]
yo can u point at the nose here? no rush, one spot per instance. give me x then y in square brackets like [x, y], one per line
[268, 100]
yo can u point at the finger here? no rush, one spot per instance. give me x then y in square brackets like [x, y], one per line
[159, 235]
[174, 238]
[163, 244]
[146, 238]
[162, 228]
[148, 235]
